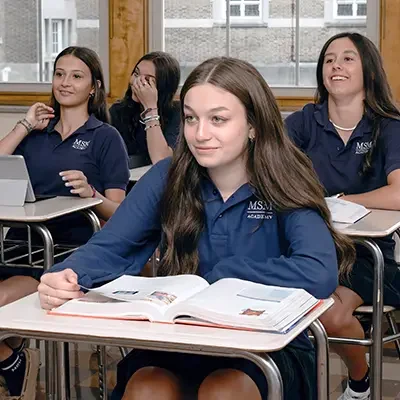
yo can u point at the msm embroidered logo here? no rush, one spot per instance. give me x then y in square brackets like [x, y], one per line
[81, 144]
[363, 147]
[259, 209]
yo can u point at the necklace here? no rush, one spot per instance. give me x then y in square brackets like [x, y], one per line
[343, 129]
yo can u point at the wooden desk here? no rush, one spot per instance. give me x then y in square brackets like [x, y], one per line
[137, 173]
[378, 223]
[25, 318]
[34, 215]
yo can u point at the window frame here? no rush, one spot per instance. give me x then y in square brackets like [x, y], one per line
[354, 4]
[242, 9]
[219, 13]
[60, 36]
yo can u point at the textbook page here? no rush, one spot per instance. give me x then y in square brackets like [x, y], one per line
[247, 305]
[345, 212]
[134, 297]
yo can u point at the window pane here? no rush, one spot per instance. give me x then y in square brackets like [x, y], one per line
[345, 10]
[193, 42]
[33, 32]
[361, 10]
[196, 30]
[252, 10]
[235, 10]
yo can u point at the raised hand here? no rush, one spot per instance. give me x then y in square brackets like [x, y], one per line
[145, 90]
[39, 116]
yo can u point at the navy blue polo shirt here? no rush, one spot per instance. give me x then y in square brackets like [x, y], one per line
[96, 149]
[243, 238]
[339, 166]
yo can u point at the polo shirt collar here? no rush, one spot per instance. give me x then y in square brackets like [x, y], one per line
[211, 193]
[91, 124]
[322, 117]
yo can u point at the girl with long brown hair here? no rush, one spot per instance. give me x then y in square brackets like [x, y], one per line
[237, 200]
[351, 135]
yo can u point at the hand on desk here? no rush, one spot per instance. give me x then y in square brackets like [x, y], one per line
[56, 288]
[78, 181]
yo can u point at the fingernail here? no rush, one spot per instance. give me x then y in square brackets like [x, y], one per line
[67, 184]
[64, 178]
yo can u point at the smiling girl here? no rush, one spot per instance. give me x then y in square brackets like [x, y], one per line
[232, 153]
[351, 135]
[70, 150]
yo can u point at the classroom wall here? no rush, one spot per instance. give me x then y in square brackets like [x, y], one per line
[8, 118]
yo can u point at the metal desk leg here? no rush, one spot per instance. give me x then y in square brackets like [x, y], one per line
[322, 348]
[102, 361]
[93, 219]
[270, 370]
[50, 347]
[377, 315]
[62, 368]
[101, 350]
[48, 245]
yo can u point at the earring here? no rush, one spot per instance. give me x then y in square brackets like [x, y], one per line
[91, 95]
[251, 138]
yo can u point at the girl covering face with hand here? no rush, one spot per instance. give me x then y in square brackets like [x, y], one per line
[147, 117]
[232, 152]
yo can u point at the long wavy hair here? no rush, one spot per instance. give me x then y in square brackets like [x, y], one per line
[378, 101]
[168, 75]
[278, 171]
[97, 104]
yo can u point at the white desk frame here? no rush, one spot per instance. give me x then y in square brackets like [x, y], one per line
[34, 216]
[25, 318]
[137, 173]
[379, 223]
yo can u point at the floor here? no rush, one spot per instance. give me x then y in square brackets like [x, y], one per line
[84, 376]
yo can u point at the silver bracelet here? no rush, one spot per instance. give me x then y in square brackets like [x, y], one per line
[149, 119]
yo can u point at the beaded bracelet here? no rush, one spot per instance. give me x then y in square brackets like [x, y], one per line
[28, 126]
[150, 126]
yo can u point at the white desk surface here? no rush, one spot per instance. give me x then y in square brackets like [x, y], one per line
[377, 223]
[25, 317]
[44, 210]
[137, 173]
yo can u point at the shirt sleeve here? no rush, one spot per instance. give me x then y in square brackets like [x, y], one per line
[128, 239]
[295, 128]
[390, 137]
[309, 261]
[171, 131]
[113, 160]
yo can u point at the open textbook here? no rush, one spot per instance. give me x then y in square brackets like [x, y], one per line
[345, 212]
[190, 299]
